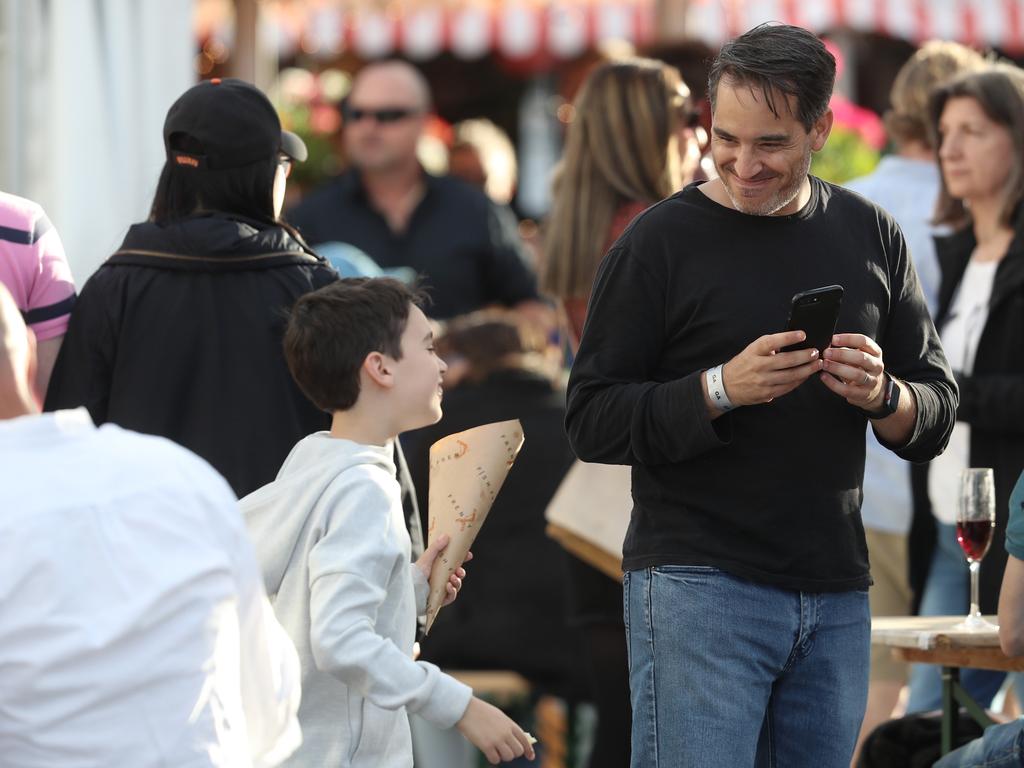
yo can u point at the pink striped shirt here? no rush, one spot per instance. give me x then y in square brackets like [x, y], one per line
[33, 267]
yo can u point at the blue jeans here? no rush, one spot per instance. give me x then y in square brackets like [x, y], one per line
[1001, 746]
[725, 672]
[947, 593]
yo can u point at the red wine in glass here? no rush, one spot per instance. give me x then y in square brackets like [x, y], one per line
[974, 537]
[976, 518]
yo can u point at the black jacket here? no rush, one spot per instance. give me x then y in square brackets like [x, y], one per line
[991, 401]
[179, 334]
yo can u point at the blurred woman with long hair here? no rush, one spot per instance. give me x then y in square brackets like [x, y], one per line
[979, 122]
[630, 144]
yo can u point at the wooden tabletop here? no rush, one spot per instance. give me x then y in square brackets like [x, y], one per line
[927, 632]
[587, 551]
[936, 640]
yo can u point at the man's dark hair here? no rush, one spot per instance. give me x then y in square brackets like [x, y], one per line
[332, 330]
[779, 59]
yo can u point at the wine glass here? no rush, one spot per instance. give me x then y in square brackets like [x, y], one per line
[976, 519]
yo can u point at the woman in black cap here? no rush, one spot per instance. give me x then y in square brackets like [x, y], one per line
[179, 332]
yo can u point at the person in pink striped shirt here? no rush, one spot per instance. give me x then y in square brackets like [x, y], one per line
[35, 270]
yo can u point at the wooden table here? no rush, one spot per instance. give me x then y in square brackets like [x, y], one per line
[935, 640]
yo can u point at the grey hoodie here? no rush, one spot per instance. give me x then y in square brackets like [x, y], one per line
[331, 539]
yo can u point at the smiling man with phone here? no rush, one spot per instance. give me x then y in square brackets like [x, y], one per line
[746, 568]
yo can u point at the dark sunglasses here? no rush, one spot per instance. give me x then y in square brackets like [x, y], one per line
[387, 115]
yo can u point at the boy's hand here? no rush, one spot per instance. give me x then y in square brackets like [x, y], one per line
[426, 563]
[492, 732]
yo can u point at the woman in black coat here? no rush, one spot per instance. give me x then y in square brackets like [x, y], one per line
[511, 615]
[178, 334]
[980, 123]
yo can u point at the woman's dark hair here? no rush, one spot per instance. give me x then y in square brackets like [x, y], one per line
[779, 59]
[999, 91]
[491, 340]
[183, 191]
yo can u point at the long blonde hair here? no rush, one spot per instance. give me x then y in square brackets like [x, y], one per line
[620, 147]
[936, 62]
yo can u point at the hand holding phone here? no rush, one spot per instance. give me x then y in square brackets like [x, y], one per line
[778, 363]
[815, 312]
[762, 372]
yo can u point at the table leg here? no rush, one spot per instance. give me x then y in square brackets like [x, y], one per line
[973, 708]
[950, 679]
[953, 697]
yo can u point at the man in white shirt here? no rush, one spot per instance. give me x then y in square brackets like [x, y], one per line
[134, 627]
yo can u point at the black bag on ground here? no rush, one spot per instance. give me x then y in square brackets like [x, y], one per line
[914, 741]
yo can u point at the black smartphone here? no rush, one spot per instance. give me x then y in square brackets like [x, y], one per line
[815, 312]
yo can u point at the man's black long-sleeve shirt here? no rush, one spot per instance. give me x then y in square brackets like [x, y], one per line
[769, 492]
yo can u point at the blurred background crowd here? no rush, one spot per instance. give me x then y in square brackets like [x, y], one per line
[498, 148]
[86, 85]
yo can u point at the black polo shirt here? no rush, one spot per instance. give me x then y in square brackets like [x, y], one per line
[465, 248]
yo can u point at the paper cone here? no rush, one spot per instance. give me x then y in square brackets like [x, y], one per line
[467, 470]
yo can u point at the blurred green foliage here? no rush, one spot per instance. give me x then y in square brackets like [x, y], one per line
[308, 105]
[845, 156]
[323, 161]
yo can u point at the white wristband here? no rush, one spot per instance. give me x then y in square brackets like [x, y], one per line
[716, 388]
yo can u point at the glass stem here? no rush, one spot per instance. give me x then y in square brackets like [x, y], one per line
[975, 566]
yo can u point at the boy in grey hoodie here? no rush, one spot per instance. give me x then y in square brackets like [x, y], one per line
[331, 537]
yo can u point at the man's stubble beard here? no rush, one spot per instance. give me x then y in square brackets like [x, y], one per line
[776, 202]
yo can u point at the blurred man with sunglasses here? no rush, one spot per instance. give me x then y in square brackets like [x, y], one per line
[389, 207]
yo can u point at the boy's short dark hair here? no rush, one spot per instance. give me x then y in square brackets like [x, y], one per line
[779, 59]
[332, 330]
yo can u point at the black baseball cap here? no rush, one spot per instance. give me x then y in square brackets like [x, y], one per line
[232, 121]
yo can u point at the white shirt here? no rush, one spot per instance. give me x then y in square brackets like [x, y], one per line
[960, 336]
[331, 537]
[134, 628]
[907, 189]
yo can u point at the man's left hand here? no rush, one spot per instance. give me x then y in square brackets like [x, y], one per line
[855, 364]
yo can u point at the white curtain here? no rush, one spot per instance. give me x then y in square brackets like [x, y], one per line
[85, 86]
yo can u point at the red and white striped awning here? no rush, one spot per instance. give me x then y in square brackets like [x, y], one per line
[515, 29]
[420, 29]
[981, 23]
